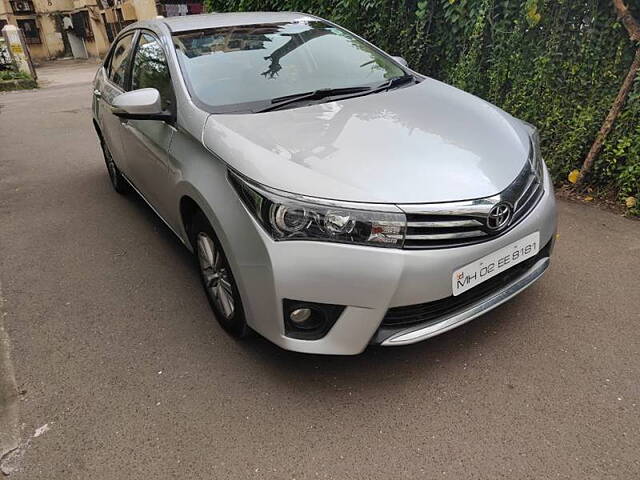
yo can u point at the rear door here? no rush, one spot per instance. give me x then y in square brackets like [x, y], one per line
[146, 142]
[117, 72]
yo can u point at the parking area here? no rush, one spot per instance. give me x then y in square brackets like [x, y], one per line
[123, 373]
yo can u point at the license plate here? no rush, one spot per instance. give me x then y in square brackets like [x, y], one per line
[495, 263]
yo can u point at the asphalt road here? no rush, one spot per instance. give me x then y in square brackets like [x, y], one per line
[123, 373]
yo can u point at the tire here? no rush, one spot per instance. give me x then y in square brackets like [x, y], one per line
[118, 182]
[216, 277]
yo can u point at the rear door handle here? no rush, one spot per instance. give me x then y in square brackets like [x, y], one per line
[97, 94]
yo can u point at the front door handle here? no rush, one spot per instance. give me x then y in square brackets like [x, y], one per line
[97, 94]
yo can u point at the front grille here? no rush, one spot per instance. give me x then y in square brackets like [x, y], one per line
[438, 231]
[424, 313]
[464, 223]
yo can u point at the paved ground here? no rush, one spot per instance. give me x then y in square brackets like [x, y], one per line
[116, 353]
[67, 73]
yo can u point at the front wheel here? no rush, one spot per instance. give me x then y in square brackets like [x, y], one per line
[217, 278]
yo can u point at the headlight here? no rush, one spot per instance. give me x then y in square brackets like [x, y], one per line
[288, 218]
[535, 155]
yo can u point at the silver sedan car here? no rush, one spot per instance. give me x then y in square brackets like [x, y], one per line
[333, 197]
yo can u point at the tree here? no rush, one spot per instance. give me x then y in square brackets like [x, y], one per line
[633, 29]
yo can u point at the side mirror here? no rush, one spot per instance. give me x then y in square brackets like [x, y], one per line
[401, 61]
[142, 104]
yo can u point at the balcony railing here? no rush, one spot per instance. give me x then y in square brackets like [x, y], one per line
[22, 7]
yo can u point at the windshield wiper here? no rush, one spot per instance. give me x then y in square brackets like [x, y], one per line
[394, 82]
[314, 95]
[348, 92]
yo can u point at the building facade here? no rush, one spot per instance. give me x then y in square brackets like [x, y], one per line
[81, 28]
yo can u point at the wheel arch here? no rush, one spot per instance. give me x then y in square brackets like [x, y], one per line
[211, 193]
[188, 208]
[190, 204]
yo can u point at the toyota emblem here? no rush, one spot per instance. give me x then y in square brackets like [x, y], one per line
[499, 217]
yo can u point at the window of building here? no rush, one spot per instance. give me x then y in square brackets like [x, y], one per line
[119, 22]
[87, 25]
[150, 70]
[82, 25]
[22, 7]
[108, 27]
[30, 29]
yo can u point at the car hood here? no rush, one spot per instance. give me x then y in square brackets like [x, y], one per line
[425, 143]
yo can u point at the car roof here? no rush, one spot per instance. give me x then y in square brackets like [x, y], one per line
[215, 20]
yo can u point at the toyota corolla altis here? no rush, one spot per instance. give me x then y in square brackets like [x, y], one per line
[333, 197]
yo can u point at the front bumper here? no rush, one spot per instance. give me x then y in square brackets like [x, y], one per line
[446, 322]
[369, 281]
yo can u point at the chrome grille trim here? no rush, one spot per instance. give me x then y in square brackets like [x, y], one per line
[530, 183]
[445, 223]
[453, 224]
[478, 208]
[447, 236]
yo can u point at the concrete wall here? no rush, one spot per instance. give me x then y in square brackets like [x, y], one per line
[42, 6]
[100, 44]
[5, 9]
[51, 41]
[145, 9]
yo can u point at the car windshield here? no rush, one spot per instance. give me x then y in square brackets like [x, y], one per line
[243, 68]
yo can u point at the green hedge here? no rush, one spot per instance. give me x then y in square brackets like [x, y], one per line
[12, 80]
[556, 63]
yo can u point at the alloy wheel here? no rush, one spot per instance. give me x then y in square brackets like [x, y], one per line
[216, 276]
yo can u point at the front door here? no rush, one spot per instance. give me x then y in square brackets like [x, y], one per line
[146, 142]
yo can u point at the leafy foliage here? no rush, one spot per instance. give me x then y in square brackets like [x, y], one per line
[13, 75]
[555, 63]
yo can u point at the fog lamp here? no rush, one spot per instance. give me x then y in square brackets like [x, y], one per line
[300, 316]
[309, 320]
